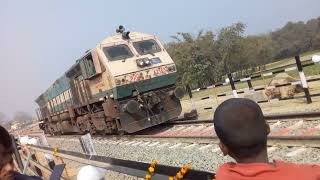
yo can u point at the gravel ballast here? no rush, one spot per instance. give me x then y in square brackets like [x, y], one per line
[206, 157]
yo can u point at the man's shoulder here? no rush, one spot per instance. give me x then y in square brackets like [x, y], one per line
[238, 170]
[223, 169]
[296, 165]
[305, 171]
[299, 167]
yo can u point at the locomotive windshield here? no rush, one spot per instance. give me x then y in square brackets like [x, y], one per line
[146, 47]
[117, 52]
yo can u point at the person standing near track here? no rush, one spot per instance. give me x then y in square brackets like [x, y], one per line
[240, 125]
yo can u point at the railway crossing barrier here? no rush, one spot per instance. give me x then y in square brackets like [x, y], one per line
[133, 168]
[128, 167]
[298, 65]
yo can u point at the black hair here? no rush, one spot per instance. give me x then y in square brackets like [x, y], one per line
[6, 151]
[5, 139]
[240, 125]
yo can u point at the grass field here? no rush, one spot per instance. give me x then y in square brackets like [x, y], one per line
[287, 61]
[309, 71]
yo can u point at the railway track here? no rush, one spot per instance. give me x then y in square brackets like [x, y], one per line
[202, 129]
[180, 143]
[181, 120]
[203, 152]
[200, 133]
[288, 141]
[291, 130]
[269, 117]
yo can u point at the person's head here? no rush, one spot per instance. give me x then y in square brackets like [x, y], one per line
[6, 151]
[240, 125]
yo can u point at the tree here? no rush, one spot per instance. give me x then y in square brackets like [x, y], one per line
[296, 38]
[204, 59]
[228, 45]
[194, 57]
[256, 51]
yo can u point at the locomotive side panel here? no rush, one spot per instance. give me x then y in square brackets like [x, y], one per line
[101, 85]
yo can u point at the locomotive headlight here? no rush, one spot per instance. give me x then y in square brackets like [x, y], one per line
[140, 62]
[143, 62]
[147, 62]
[118, 82]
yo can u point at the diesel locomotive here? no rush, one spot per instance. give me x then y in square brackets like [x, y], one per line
[124, 84]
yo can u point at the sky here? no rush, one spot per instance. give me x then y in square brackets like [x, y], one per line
[40, 39]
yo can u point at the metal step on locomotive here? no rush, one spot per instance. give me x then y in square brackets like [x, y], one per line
[124, 84]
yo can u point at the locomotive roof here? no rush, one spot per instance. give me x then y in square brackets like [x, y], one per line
[118, 37]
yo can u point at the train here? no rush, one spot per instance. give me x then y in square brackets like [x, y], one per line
[125, 84]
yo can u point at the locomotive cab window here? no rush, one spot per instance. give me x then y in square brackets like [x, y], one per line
[146, 47]
[89, 66]
[117, 52]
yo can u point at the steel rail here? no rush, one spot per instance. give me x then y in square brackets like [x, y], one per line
[280, 116]
[297, 141]
[270, 117]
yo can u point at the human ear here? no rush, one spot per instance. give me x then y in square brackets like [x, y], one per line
[223, 148]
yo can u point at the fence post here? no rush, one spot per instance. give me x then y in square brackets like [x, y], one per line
[189, 91]
[303, 80]
[190, 96]
[234, 91]
[249, 83]
[16, 147]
